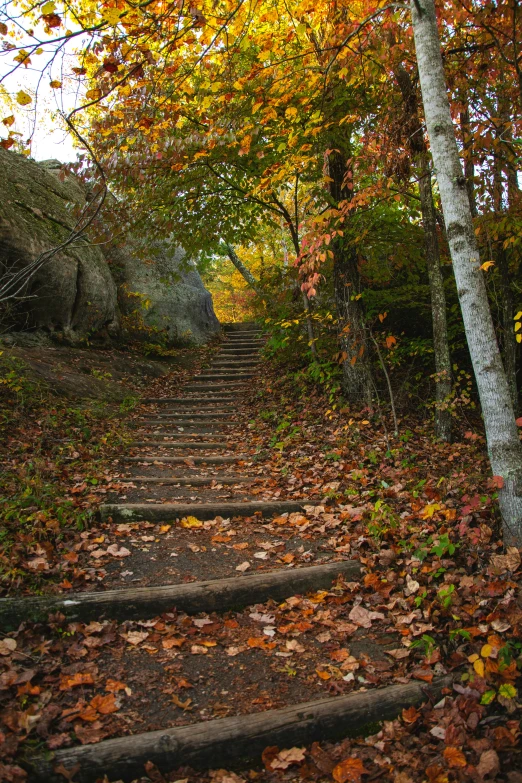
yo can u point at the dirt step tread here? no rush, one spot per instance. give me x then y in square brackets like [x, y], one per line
[227, 742]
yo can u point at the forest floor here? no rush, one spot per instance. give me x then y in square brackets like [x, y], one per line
[437, 596]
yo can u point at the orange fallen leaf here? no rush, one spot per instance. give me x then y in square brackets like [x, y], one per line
[454, 757]
[323, 675]
[72, 681]
[113, 686]
[105, 704]
[349, 771]
[410, 715]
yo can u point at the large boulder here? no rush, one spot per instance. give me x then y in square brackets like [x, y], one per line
[73, 295]
[160, 293]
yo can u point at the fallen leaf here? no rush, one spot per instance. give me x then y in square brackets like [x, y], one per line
[454, 757]
[190, 522]
[117, 551]
[489, 764]
[349, 771]
[508, 562]
[74, 680]
[285, 758]
[362, 617]
[135, 637]
[7, 646]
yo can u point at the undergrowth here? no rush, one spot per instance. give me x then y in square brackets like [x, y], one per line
[52, 455]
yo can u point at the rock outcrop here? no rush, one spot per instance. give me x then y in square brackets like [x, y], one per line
[161, 294]
[79, 292]
[73, 296]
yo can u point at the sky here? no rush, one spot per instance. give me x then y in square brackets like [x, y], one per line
[40, 120]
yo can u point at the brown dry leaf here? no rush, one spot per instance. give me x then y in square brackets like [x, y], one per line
[454, 757]
[71, 681]
[508, 562]
[349, 771]
[68, 774]
[398, 654]
[285, 758]
[117, 551]
[90, 734]
[198, 649]
[7, 646]
[363, 617]
[135, 637]
[489, 764]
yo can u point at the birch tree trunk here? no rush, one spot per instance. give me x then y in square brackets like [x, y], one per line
[504, 448]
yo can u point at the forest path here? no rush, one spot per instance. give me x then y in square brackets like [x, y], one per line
[196, 530]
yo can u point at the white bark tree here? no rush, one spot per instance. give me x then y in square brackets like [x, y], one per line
[504, 447]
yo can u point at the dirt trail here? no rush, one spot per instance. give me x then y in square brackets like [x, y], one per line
[179, 625]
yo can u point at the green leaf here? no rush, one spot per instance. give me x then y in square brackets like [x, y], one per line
[488, 697]
[507, 690]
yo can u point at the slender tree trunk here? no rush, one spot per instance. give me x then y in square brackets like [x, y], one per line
[469, 166]
[507, 305]
[245, 272]
[441, 349]
[504, 448]
[353, 337]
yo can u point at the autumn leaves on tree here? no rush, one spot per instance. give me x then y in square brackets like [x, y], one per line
[225, 122]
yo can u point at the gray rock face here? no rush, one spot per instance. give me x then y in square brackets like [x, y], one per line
[161, 294]
[73, 295]
[79, 292]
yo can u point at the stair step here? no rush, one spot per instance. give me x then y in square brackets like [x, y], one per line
[182, 444]
[238, 740]
[200, 426]
[173, 436]
[216, 387]
[164, 512]
[192, 597]
[189, 400]
[210, 460]
[191, 481]
[210, 376]
[210, 416]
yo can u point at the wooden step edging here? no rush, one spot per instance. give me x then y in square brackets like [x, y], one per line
[218, 414]
[164, 512]
[211, 595]
[182, 444]
[190, 481]
[230, 397]
[239, 740]
[196, 459]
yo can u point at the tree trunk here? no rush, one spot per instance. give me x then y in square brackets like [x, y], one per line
[469, 167]
[245, 272]
[353, 338]
[441, 349]
[504, 448]
[507, 305]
